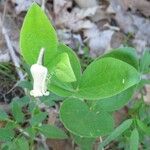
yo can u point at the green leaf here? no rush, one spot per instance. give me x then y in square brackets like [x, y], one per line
[11, 125]
[23, 101]
[22, 144]
[6, 134]
[116, 133]
[105, 78]
[63, 69]
[84, 143]
[53, 132]
[17, 144]
[126, 54]
[3, 115]
[116, 102]
[145, 62]
[51, 99]
[32, 105]
[31, 131]
[134, 140]
[25, 84]
[5, 146]
[80, 120]
[17, 111]
[75, 63]
[38, 118]
[36, 33]
[143, 127]
[61, 88]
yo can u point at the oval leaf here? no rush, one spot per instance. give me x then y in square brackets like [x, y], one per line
[116, 102]
[143, 127]
[3, 115]
[59, 87]
[52, 132]
[75, 63]
[84, 143]
[21, 144]
[62, 89]
[63, 69]
[106, 77]
[36, 33]
[80, 120]
[134, 140]
[38, 118]
[17, 111]
[6, 134]
[126, 54]
[145, 62]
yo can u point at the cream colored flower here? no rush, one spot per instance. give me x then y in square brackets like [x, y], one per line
[39, 74]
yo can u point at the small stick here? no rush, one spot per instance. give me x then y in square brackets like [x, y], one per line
[43, 5]
[101, 140]
[12, 53]
[28, 136]
[16, 84]
[44, 142]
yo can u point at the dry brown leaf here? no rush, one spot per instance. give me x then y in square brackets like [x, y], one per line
[52, 116]
[86, 3]
[69, 38]
[83, 13]
[125, 22]
[98, 41]
[61, 5]
[117, 39]
[120, 115]
[76, 20]
[60, 144]
[123, 18]
[141, 5]
[130, 22]
[23, 5]
[110, 10]
[100, 15]
[4, 57]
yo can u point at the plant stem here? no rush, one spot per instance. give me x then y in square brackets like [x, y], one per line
[101, 140]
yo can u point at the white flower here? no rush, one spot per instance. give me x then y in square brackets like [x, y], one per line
[39, 74]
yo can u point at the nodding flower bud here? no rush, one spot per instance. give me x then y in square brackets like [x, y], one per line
[39, 74]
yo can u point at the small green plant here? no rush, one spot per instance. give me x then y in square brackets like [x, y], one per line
[88, 97]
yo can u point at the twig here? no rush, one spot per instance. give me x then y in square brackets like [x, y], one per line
[45, 10]
[43, 5]
[42, 105]
[12, 53]
[16, 84]
[101, 140]
[28, 136]
[4, 12]
[44, 142]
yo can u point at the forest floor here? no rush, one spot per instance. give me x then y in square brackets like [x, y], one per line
[90, 27]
